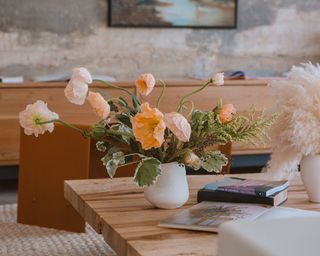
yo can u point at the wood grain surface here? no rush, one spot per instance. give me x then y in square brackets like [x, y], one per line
[117, 209]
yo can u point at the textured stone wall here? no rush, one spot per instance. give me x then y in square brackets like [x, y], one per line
[40, 37]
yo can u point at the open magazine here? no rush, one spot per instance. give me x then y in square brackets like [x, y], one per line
[208, 216]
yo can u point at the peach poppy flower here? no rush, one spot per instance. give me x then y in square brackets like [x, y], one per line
[226, 113]
[77, 88]
[178, 125]
[148, 127]
[99, 105]
[145, 84]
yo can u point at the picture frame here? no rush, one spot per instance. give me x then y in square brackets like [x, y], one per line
[173, 14]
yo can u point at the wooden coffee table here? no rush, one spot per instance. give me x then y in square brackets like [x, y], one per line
[117, 210]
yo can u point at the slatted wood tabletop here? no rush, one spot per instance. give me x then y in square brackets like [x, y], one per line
[117, 209]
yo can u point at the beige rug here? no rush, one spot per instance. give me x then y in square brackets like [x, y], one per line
[25, 240]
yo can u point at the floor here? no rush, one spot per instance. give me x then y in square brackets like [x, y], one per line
[8, 191]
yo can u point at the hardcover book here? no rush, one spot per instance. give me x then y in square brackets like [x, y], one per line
[248, 186]
[207, 216]
[222, 196]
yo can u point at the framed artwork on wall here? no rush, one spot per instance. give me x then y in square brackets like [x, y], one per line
[173, 13]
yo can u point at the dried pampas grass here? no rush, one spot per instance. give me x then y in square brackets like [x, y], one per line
[296, 132]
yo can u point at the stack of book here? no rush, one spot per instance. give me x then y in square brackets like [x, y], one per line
[239, 190]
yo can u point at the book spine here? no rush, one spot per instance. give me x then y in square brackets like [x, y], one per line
[267, 190]
[240, 190]
[262, 191]
[221, 196]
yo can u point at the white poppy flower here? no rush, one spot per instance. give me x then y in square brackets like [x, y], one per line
[218, 79]
[37, 112]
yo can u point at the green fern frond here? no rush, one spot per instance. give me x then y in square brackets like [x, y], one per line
[249, 127]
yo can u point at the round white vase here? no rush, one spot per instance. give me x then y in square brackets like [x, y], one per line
[310, 175]
[171, 189]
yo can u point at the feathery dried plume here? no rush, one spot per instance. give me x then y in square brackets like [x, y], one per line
[296, 132]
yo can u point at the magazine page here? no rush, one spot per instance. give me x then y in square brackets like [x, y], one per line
[207, 216]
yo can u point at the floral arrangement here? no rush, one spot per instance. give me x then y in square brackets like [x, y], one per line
[150, 136]
[296, 132]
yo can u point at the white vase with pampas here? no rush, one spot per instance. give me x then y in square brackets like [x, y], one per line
[296, 134]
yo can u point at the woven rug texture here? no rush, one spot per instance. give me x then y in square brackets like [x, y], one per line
[25, 240]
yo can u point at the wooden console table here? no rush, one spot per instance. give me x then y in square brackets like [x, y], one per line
[117, 209]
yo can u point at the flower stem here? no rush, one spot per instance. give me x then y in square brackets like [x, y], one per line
[160, 154]
[134, 98]
[162, 91]
[172, 148]
[193, 92]
[83, 133]
[135, 162]
[177, 154]
[114, 86]
[134, 154]
[192, 107]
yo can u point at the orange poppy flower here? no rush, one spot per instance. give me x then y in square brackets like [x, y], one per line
[148, 127]
[145, 84]
[226, 113]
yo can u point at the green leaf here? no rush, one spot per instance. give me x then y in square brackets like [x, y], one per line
[106, 159]
[214, 161]
[122, 128]
[147, 172]
[166, 132]
[97, 131]
[112, 160]
[113, 150]
[136, 104]
[112, 166]
[119, 157]
[123, 102]
[134, 146]
[113, 107]
[101, 146]
[123, 118]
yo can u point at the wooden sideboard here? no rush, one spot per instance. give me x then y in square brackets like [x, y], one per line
[14, 98]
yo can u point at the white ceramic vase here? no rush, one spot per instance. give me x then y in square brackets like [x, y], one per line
[171, 189]
[310, 175]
